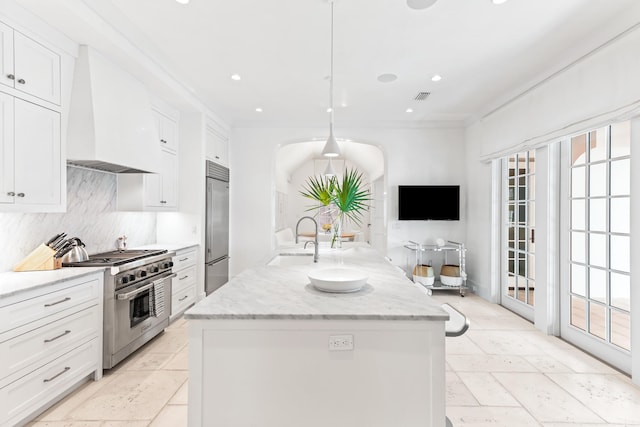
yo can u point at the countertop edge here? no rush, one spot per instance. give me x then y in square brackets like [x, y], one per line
[171, 247]
[39, 279]
[431, 317]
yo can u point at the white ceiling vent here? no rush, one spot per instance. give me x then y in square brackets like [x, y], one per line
[421, 96]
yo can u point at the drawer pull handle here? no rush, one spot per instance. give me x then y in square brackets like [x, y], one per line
[183, 277]
[59, 336]
[184, 259]
[57, 302]
[21, 81]
[11, 77]
[20, 194]
[184, 298]
[11, 194]
[46, 380]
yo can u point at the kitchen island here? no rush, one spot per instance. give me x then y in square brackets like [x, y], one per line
[268, 349]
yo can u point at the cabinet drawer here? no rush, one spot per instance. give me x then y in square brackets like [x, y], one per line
[184, 260]
[49, 307]
[21, 398]
[36, 347]
[184, 278]
[182, 299]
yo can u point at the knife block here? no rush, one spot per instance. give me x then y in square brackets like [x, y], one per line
[41, 258]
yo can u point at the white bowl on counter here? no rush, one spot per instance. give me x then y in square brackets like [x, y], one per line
[338, 279]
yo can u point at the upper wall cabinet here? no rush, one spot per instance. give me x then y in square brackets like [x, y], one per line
[150, 191]
[167, 129]
[217, 145]
[28, 67]
[30, 155]
[155, 192]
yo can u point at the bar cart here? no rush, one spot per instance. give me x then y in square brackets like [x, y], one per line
[418, 254]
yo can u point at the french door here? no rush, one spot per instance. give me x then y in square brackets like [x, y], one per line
[595, 272]
[518, 234]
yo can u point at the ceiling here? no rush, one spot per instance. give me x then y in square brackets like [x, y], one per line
[485, 53]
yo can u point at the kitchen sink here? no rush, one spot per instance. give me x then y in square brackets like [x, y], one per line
[285, 259]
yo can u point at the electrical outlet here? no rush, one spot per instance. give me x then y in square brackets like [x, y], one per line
[340, 342]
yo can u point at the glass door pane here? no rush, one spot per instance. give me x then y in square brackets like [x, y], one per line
[518, 281]
[595, 296]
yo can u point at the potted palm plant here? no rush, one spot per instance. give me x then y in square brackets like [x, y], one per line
[344, 199]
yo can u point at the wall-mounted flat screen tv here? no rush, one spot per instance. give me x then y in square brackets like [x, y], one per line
[429, 202]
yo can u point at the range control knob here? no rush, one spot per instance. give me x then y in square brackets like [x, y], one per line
[123, 280]
[166, 265]
[153, 269]
[132, 277]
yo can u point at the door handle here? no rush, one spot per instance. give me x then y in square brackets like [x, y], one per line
[131, 294]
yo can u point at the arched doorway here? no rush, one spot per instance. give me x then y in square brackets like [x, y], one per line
[296, 161]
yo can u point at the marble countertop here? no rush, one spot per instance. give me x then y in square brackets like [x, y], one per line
[15, 282]
[279, 292]
[171, 247]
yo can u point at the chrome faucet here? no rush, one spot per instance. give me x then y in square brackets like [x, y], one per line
[315, 241]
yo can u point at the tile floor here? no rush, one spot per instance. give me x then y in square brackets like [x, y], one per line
[502, 372]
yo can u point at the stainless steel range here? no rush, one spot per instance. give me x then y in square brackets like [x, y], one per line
[137, 298]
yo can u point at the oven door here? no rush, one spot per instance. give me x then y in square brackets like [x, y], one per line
[135, 311]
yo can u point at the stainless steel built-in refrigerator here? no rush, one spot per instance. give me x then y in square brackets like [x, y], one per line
[217, 223]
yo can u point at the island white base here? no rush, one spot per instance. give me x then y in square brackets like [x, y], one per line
[281, 373]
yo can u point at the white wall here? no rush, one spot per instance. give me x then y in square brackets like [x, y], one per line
[413, 156]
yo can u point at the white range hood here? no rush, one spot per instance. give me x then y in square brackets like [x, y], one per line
[111, 126]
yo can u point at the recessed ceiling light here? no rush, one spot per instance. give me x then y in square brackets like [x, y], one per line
[259, 110]
[386, 78]
[329, 110]
[409, 110]
[420, 4]
[498, 1]
[436, 78]
[183, 1]
[343, 105]
[235, 77]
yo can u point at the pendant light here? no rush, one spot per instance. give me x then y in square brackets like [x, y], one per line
[329, 172]
[331, 148]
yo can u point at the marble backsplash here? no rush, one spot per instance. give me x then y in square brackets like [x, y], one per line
[91, 215]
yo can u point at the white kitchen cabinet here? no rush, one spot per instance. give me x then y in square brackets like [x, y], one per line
[51, 339]
[217, 149]
[183, 286]
[31, 158]
[29, 67]
[161, 190]
[151, 192]
[167, 131]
